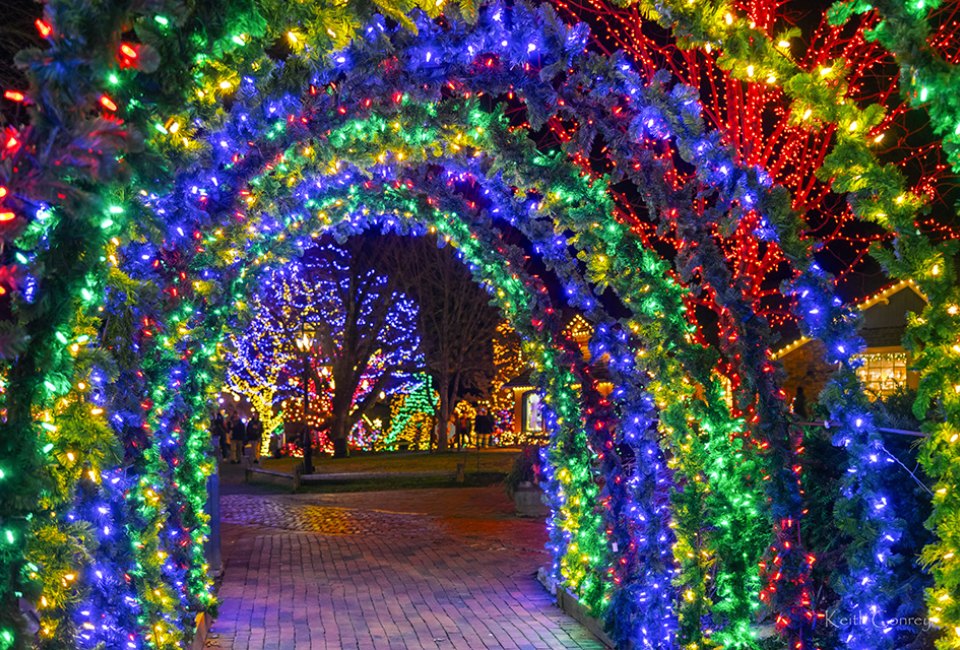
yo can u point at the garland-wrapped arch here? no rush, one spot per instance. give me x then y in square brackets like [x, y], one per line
[184, 235]
[572, 190]
[518, 302]
[651, 310]
[583, 570]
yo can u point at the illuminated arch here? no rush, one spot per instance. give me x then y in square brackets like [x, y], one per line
[399, 203]
[458, 162]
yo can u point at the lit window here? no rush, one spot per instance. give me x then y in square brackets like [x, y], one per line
[883, 373]
[532, 413]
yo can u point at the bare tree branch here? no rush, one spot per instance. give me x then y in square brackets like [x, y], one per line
[457, 320]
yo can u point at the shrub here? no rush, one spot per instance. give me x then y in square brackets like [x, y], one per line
[526, 468]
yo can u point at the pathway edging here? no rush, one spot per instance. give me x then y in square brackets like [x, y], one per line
[571, 605]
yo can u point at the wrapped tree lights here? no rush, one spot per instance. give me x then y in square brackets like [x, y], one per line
[363, 331]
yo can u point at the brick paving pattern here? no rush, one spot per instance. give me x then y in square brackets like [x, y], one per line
[445, 568]
[292, 514]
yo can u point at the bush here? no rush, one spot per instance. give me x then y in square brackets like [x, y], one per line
[526, 469]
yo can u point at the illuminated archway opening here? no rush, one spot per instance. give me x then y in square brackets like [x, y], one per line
[346, 208]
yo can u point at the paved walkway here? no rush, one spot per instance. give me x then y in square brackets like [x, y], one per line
[440, 568]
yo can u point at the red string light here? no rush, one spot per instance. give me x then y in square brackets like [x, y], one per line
[44, 28]
[755, 119]
[108, 103]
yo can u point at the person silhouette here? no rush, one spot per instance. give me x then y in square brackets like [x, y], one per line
[800, 404]
[254, 435]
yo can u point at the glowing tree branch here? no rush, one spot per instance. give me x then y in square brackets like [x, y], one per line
[365, 333]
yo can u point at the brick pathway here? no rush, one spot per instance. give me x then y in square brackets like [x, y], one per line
[445, 568]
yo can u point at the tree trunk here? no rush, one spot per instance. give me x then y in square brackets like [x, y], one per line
[442, 431]
[444, 413]
[338, 434]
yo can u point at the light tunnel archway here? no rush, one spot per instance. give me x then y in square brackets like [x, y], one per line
[348, 211]
[741, 586]
[161, 323]
[653, 314]
[179, 370]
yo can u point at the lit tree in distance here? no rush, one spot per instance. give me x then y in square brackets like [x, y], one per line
[257, 361]
[411, 415]
[364, 332]
[456, 319]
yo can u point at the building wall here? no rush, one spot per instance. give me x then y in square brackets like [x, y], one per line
[805, 367]
[884, 322]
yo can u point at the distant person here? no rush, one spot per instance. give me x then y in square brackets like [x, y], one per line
[800, 404]
[483, 428]
[463, 432]
[238, 434]
[228, 430]
[276, 442]
[451, 429]
[254, 435]
[218, 433]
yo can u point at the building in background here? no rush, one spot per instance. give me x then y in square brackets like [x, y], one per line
[525, 425]
[886, 363]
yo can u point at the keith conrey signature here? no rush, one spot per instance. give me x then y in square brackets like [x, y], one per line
[837, 620]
